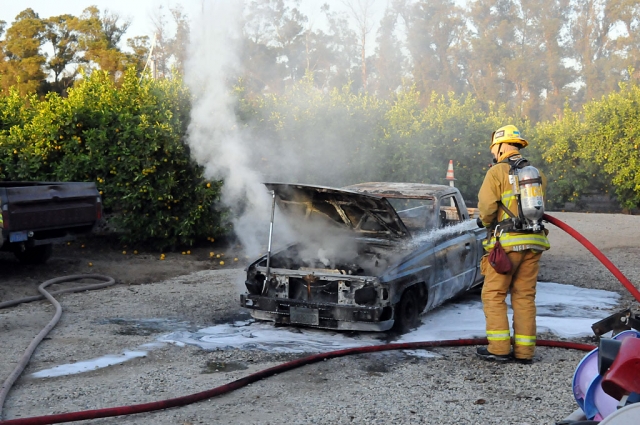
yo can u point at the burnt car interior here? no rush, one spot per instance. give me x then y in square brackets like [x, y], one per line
[449, 211]
[415, 213]
[417, 216]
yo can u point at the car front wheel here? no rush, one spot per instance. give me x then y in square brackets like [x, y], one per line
[407, 311]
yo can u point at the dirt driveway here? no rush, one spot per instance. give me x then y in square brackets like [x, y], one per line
[107, 256]
[195, 290]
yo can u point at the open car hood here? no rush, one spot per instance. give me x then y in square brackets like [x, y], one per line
[369, 215]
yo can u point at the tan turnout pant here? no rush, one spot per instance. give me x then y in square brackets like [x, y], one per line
[521, 282]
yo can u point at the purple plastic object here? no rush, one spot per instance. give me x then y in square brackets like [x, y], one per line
[597, 402]
[627, 334]
[585, 372]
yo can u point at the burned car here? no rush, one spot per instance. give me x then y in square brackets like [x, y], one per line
[369, 257]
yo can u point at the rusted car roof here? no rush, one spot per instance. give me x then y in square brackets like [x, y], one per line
[402, 190]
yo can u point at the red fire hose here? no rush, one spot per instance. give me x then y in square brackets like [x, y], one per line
[239, 383]
[596, 252]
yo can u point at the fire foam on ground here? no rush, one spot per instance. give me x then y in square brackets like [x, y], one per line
[564, 310]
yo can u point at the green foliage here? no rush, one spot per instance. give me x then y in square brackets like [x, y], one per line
[611, 140]
[569, 174]
[359, 137]
[337, 137]
[129, 140]
[422, 141]
[595, 150]
[312, 131]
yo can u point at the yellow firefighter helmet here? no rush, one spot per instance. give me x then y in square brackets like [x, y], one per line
[508, 134]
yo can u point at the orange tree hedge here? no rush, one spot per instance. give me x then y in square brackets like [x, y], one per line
[129, 139]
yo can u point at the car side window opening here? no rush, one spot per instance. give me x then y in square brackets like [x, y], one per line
[415, 213]
[449, 211]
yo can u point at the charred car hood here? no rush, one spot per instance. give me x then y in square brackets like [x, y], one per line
[367, 215]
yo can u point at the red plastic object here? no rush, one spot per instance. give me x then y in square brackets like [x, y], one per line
[623, 376]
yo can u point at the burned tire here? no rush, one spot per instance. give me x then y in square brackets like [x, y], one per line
[423, 296]
[407, 311]
[34, 255]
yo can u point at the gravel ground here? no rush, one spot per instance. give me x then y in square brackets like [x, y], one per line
[451, 388]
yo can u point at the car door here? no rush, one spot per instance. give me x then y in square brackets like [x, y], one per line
[454, 255]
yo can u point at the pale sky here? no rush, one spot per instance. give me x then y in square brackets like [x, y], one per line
[140, 11]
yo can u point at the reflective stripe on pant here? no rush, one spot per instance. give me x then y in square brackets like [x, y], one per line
[501, 335]
[521, 282]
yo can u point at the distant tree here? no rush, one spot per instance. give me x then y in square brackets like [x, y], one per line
[494, 24]
[623, 41]
[259, 56]
[594, 47]
[318, 57]
[629, 43]
[99, 38]
[555, 44]
[170, 40]
[331, 57]
[161, 54]
[289, 38]
[275, 52]
[342, 43]
[140, 47]
[23, 62]
[518, 55]
[389, 62]
[3, 24]
[180, 41]
[63, 38]
[525, 68]
[362, 13]
[436, 32]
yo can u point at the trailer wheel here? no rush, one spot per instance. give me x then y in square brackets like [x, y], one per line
[34, 255]
[407, 311]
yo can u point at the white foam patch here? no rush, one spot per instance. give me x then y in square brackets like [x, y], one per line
[88, 365]
[564, 310]
[250, 335]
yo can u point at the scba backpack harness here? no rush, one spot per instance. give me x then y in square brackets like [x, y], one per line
[526, 185]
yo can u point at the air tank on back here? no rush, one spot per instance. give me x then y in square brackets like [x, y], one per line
[531, 196]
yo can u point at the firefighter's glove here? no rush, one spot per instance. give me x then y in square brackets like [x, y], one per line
[479, 223]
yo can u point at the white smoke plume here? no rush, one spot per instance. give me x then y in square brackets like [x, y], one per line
[315, 153]
[214, 136]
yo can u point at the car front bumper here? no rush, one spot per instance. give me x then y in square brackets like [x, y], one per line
[325, 316]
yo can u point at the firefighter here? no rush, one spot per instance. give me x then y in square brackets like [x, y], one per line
[523, 247]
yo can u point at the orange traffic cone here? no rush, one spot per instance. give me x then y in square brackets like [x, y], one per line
[450, 171]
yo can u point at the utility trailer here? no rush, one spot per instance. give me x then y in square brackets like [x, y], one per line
[36, 215]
